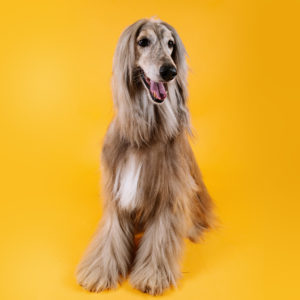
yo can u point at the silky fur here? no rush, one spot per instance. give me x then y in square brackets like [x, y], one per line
[168, 200]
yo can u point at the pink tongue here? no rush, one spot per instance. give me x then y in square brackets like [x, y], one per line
[157, 89]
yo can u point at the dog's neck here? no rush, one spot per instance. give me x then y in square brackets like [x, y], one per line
[143, 122]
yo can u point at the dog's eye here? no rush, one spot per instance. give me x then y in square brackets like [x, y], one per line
[144, 42]
[170, 44]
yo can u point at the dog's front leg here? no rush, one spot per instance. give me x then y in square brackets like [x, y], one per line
[156, 266]
[109, 254]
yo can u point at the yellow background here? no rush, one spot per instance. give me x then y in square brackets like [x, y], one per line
[55, 66]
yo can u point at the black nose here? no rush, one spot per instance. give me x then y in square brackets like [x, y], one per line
[167, 72]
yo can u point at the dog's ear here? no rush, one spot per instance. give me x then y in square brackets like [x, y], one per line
[125, 58]
[179, 57]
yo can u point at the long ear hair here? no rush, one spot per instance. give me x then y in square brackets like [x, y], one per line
[179, 56]
[123, 80]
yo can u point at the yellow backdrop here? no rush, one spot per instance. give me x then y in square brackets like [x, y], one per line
[55, 66]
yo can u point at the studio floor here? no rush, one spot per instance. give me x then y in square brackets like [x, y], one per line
[56, 104]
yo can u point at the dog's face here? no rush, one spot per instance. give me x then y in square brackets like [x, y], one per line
[150, 58]
[155, 44]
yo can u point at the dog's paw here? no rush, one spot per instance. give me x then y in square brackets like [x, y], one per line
[153, 281]
[96, 278]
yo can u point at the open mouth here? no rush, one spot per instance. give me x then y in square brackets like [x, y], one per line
[157, 90]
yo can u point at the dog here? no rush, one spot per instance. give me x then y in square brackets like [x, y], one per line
[152, 184]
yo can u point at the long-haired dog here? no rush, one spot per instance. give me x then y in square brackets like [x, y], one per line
[152, 184]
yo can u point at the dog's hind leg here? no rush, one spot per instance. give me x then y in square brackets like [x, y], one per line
[202, 216]
[109, 255]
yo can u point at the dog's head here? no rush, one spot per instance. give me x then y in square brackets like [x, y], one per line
[150, 56]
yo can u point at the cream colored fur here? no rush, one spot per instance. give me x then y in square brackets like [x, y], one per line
[151, 182]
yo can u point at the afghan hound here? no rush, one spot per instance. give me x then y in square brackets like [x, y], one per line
[152, 184]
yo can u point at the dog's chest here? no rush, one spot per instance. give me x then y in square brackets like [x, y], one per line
[126, 182]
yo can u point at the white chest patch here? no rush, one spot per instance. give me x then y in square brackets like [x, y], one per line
[126, 182]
